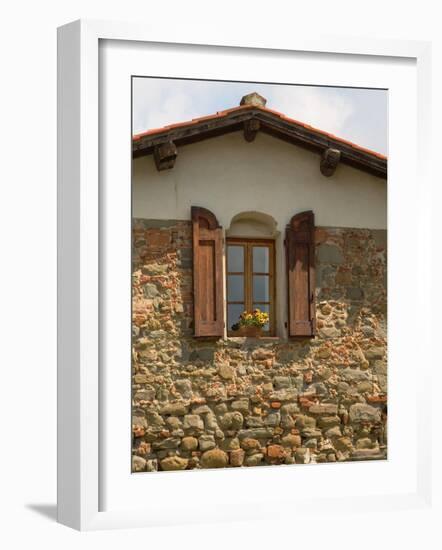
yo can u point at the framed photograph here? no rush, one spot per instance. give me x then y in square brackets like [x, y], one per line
[237, 225]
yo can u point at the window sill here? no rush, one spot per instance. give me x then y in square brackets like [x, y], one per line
[255, 338]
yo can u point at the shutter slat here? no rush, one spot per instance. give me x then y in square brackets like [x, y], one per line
[300, 256]
[207, 274]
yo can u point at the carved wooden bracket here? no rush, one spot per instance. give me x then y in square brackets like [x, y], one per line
[165, 155]
[329, 161]
[251, 128]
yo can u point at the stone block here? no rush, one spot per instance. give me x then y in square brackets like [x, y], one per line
[174, 463]
[364, 443]
[189, 443]
[275, 451]
[281, 382]
[168, 443]
[229, 444]
[302, 455]
[354, 375]
[327, 422]
[333, 432]
[354, 293]
[273, 419]
[324, 409]
[154, 420]
[380, 237]
[311, 433]
[146, 394]
[138, 464]
[304, 421]
[374, 353]
[249, 443]
[237, 457]
[291, 440]
[206, 442]
[284, 395]
[241, 405]
[193, 423]
[254, 460]
[215, 458]
[343, 444]
[184, 387]
[226, 372]
[175, 409]
[254, 421]
[232, 420]
[289, 409]
[256, 433]
[329, 254]
[329, 332]
[361, 412]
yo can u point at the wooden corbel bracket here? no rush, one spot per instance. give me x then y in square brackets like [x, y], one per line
[165, 155]
[329, 161]
[251, 128]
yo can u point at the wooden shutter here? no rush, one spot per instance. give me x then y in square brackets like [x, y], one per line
[207, 274]
[300, 254]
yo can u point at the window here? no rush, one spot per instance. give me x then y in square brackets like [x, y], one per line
[250, 270]
[250, 275]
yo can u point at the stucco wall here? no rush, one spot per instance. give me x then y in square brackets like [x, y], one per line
[228, 175]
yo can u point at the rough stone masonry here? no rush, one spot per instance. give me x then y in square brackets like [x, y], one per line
[255, 402]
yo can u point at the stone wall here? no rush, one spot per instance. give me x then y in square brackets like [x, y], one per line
[251, 402]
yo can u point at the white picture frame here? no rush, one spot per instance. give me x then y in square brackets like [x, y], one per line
[81, 292]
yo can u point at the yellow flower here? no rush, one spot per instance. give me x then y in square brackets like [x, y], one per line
[255, 317]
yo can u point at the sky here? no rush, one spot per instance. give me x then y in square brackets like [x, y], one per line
[358, 115]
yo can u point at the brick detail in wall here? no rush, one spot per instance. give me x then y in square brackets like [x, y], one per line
[243, 402]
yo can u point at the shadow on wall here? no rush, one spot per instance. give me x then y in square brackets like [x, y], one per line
[49, 511]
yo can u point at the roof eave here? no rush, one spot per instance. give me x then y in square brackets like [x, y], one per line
[270, 123]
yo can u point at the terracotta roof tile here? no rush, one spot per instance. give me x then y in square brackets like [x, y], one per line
[227, 112]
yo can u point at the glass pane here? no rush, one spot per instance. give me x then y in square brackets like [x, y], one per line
[233, 313]
[235, 288]
[235, 259]
[261, 288]
[261, 259]
[266, 308]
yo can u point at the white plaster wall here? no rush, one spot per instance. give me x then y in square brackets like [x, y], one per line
[228, 175]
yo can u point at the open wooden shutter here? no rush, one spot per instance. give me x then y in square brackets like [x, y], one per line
[300, 253]
[207, 274]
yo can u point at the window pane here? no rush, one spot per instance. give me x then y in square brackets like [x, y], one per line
[233, 313]
[266, 308]
[235, 288]
[261, 288]
[261, 259]
[235, 259]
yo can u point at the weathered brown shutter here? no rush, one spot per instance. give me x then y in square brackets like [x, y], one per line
[300, 251]
[207, 274]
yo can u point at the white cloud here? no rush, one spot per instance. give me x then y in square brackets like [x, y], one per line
[160, 102]
[324, 110]
[356, 115]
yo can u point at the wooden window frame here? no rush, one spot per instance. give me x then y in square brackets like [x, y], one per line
[248, 273]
